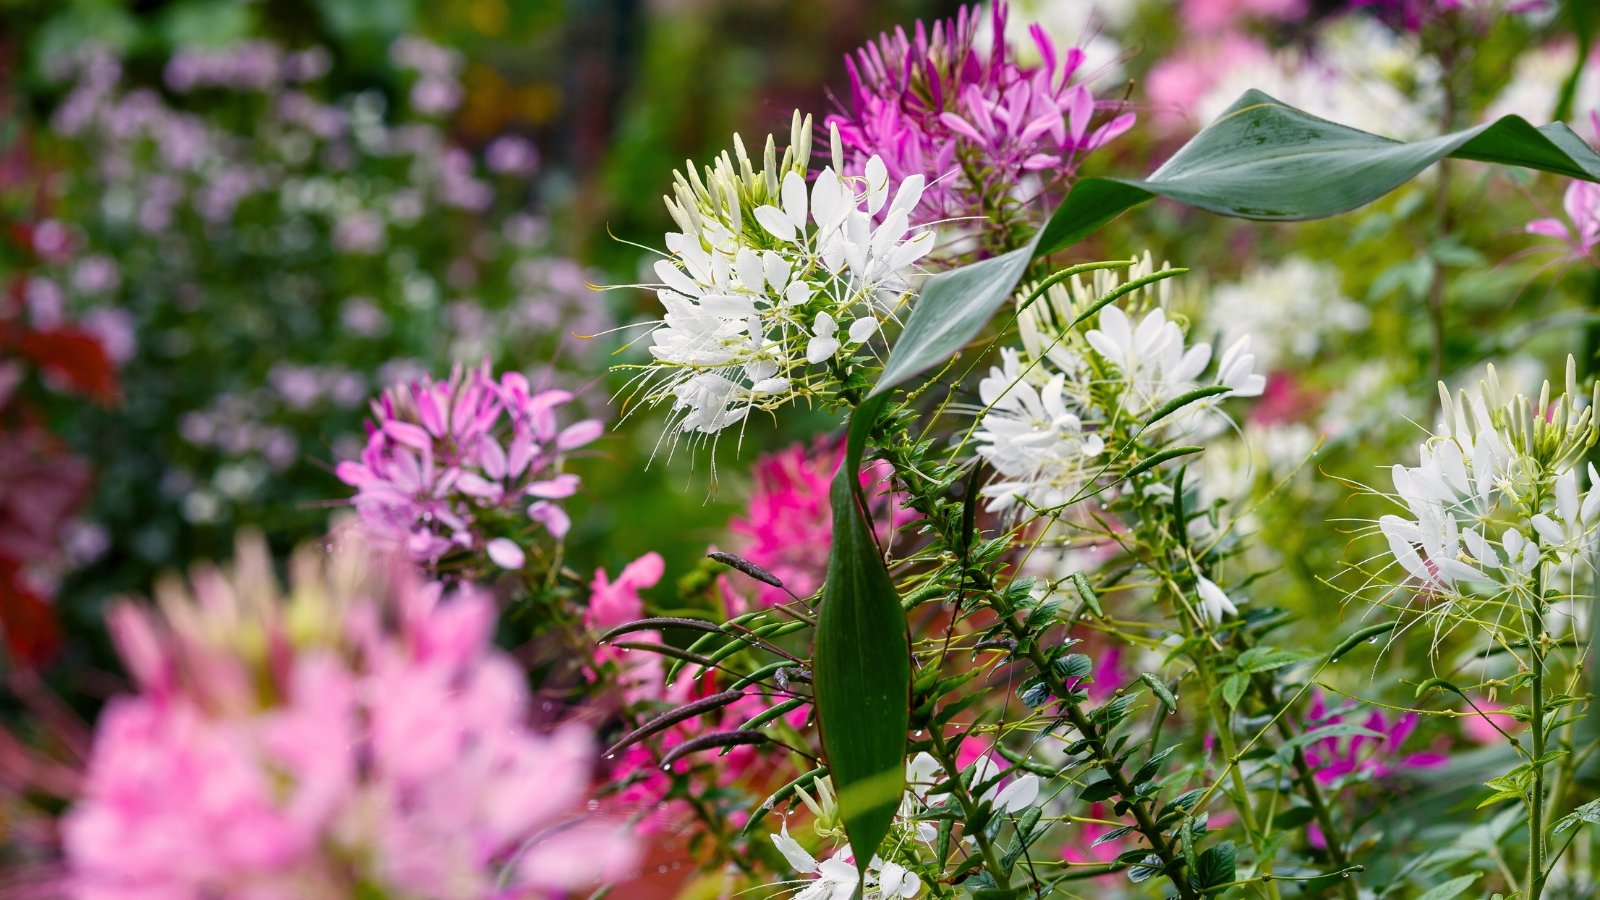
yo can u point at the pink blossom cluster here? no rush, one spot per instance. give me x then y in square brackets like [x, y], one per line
[466, 464]
[787, 527]
[984, 129]
[643, 787]
[356, 736]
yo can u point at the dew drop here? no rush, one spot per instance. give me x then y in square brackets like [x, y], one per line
[661, 869]
[610, 756]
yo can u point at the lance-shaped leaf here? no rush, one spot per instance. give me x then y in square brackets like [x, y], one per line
[862, 676]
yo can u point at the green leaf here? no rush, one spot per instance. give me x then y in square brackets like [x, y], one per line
[1097, 791]
[1455, 887]
[862, 676]
[1263, 159]
[1589, 812]
[1216, 866]
[1151, 462]
[1233, 688]
[1341, 729]
[1073, 666]
[1266, 659]
[1087, 595]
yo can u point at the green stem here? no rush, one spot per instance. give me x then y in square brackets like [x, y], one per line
[969, 807]
[1536, 848]
[893, 447]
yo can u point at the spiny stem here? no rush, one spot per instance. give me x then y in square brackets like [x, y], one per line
[1536, 849]
[969, 806]
[891, 447]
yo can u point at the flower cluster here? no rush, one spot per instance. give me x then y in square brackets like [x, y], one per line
[982, 129]
[787, 526]
[1496, 493]
[305, 238]
[464, 465]
[770, 281]
[357, 734]
[993, 786]
[1045, 407]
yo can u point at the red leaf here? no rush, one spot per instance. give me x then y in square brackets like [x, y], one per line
[27, 620]
[76, 357]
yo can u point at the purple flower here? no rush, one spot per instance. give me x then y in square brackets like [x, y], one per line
[986, 131]
[1375, 755]
[511, 155]
[466, 463]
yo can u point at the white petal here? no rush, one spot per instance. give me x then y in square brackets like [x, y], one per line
[505, 553]
[820, 349]
[862, 329]
[797, 856]
[1019, 794]
[774, 221]
[794, 199]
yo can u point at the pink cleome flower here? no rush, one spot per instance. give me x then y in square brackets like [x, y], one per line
[1581, 231]
[465, 464]
[643, 787]
[358, 734]
[787, 528]
[975, 122]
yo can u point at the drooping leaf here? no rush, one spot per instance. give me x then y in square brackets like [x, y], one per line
[861, 675]
[1264, 159]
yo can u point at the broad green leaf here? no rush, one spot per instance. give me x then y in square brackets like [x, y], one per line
[1216, 866]
[1263, 159]
[862, 675]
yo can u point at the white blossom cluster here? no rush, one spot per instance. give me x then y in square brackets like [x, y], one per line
[771, 284]
[1047, 405]
[1497, 492]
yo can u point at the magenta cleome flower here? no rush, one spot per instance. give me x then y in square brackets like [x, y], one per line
[1373, 755]
[787, 528]
[986, 131]
[465, 465]
[357, 734]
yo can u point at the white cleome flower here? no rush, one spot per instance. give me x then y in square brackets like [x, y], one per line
[753, 309]
[835, 877]
[1034, 439]
[1154, 364]
[1046, 405]
[1290, 309]
[1496, 491]
[1214, 604]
